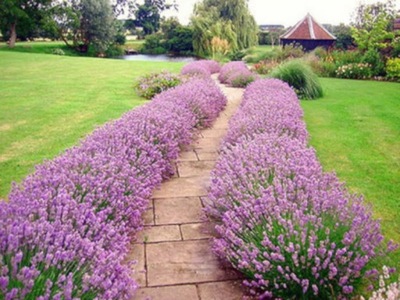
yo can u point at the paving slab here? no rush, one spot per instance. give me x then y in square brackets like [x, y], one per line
[214, 133]
[195, 168]
[188, 156]
[138, 253]
[232, 290]
[177, 210]
[178, 292]
[211, 143]
[183, 187]
[213, 156]
[184, 262]
[196, 231]
[155, 234]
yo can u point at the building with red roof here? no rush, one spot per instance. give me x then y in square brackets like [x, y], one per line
[309, 34]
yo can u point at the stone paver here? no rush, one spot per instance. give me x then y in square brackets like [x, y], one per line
[177, 210]
[161, 234]
[231, 290]
[179, 292]
[195, 168]
[184, 262]
[196, 231]
[183, 187]
[175, 261]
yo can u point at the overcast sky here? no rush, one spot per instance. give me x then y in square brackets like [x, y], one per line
[288, 12]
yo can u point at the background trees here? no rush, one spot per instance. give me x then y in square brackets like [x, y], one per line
[228, 20]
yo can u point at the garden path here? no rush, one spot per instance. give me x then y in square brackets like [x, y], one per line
[175, 261]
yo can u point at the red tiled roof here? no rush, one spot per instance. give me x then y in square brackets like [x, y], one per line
[308, 29]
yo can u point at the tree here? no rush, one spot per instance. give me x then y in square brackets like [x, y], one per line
[344, 40]
[148, 15]
[24, 12]
[84, 23]
[228, 20]
[372, 23]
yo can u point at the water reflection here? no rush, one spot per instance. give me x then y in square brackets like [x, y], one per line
[160, 57]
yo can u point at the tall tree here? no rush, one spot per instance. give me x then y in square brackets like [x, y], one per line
[229, 20]
[148, 15]
[84, 23]
[372, 23]
[13, 12]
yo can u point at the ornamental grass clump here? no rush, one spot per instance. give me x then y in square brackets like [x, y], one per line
[294, 231]
[152, 84]
[66, 230]
[299, 76]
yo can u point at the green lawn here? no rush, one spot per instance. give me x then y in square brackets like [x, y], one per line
[49, 102]
[355, 129]
[39, 47]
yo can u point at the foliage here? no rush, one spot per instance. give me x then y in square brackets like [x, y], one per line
[372, 24]
[354, 71]
[154, 44]
[21, 15]
[241, 79]
[294, 231]
[344, 39]
[226, 20]
[180, 40]
[229, 68]
[374, 59]
[237, 55]
[87, 23]
[152, 84]
[58, 51]
[299, 76]
[70, 238]
[264, 67]
[393, 68]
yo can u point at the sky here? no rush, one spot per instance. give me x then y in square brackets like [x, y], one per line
[287, 12]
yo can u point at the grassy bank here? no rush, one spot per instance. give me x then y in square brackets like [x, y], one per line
[49, 102]
[355, 129]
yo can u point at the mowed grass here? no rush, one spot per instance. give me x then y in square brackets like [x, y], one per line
[48, 103]
[39, 47]
[355, 129]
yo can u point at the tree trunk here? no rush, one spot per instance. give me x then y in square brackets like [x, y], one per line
[13, 35]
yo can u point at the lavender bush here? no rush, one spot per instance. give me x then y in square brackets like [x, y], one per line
[202, 68]
[236, 73]
[65, 232]
[152, 84]
[294, 231]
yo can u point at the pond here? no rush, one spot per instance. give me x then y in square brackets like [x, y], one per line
[160, 57]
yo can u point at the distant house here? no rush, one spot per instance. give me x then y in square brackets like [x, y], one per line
[309, 34]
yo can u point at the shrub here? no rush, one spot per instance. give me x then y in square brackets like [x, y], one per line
[58, 51]
[154, 44]
[237, 55]
[373, 58]
[203, 68]
[241, 78]
[228, 69]
[265, 67]
[387, 290]
[152, 84]
[299, 76]
[354, 71]
[294, 231]
[393, 68]
[65, 232]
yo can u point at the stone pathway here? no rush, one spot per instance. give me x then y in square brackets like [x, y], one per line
[175, 261]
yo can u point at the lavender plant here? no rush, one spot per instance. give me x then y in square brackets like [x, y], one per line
[64, 233]
[152, 84]
[227, 72]
[294, 231]
[202, 68]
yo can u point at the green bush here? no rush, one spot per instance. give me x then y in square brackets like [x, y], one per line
[152, 84]
[299, 76]
[393, 68]
[264, 67]
[154, 44]
[58, 51]
[354, 71]
[341, 58]
[374, 59]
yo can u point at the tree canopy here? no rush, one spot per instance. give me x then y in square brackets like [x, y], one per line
[229, 20]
